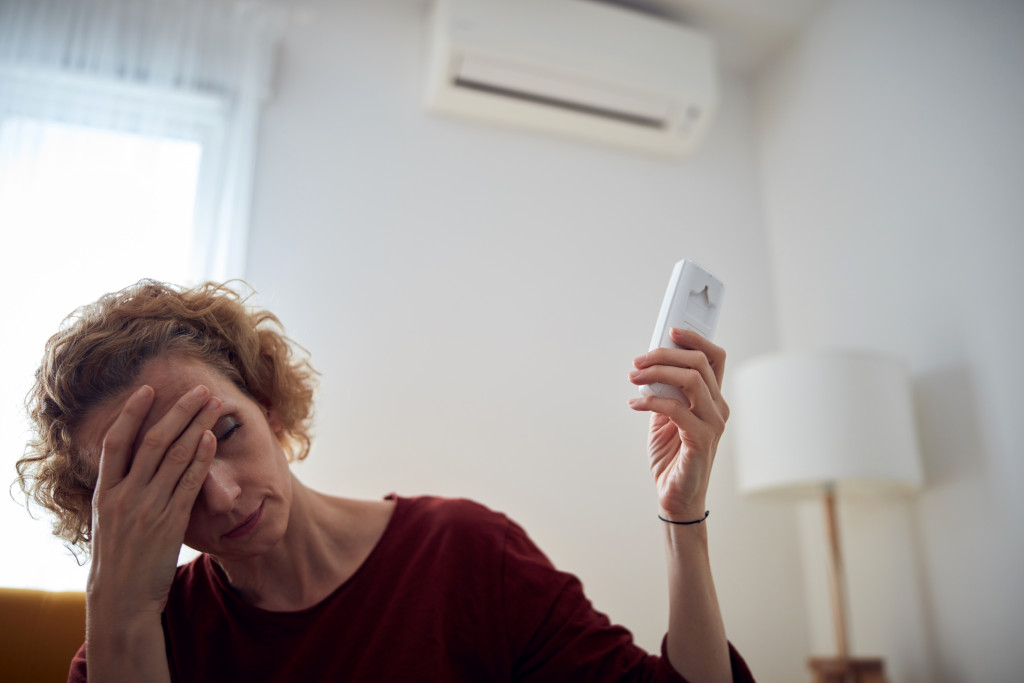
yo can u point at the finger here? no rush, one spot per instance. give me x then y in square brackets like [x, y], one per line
[191, 481]
[115, 454]
[683, 358]
[658, 421]
[688, 339]
[663, 437]
[696, 432]
[158, 438]
[689, 380]
[183, 451]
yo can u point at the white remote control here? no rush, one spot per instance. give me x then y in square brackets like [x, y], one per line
[692, 301]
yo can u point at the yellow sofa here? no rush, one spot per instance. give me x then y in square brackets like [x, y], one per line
[40, 631]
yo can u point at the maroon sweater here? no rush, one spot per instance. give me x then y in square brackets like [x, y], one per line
[452, 592]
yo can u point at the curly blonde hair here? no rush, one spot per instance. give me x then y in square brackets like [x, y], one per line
[100, 350]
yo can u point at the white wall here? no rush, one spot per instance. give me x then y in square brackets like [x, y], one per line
[474, 297]
[892, 156]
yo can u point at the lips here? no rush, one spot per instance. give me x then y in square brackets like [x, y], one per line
[248, 525]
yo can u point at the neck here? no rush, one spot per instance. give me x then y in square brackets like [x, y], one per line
[323, 546]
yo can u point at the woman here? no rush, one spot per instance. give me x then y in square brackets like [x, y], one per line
[166, 416]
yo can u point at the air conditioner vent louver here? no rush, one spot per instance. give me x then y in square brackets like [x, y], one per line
[560, 91]
[573, 67]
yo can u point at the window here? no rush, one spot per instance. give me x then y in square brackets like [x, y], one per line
[84, 211]
[127, 136]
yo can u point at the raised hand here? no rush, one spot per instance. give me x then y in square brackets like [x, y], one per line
[683, 437]
[147, 485]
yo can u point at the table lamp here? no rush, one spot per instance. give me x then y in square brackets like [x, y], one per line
[827, 423]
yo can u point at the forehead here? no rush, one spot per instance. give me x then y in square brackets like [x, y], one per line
[171, 377]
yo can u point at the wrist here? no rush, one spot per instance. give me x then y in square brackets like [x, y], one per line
[117, 637]
[683, 513]
[129, 650]
[115, 617]
[686, 531]
[687, 522]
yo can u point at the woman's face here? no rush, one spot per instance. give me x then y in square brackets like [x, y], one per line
[245, 502]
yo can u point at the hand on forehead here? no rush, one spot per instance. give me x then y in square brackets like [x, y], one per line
[171, 378]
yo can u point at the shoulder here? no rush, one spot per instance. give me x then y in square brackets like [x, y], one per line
[449, 510]
[449, 515]
[195, 583]
[192, 571]
[450, 523]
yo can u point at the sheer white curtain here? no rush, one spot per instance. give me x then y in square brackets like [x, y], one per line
[127, 140]
[189, 69]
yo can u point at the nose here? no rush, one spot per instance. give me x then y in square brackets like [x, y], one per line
[221, 489]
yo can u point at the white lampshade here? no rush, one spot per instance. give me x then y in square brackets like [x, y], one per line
[804, 420]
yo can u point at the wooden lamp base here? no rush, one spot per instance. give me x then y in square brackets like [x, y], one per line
[841, 669]
[846, 670]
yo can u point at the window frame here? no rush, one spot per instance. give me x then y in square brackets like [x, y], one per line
[219, 245]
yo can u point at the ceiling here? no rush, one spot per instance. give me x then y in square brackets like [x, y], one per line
[748, 32]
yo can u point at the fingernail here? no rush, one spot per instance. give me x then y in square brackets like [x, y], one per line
[199, 390]
[212, 404]
[144, 391]
[634, 374]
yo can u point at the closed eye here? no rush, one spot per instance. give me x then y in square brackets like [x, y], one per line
[227, 429]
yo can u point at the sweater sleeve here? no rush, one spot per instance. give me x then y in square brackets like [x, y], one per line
[555, 634]
[77, 673]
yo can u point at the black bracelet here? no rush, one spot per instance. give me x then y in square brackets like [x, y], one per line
[696, 521]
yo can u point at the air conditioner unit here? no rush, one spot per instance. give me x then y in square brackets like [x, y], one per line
[573, 67]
